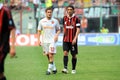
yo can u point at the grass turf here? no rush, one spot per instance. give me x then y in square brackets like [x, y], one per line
[94, 63]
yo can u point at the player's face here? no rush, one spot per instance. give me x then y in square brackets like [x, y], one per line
[49, 14]
[70, 11]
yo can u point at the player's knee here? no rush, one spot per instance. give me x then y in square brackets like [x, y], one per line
[74, 56]
[65, 53]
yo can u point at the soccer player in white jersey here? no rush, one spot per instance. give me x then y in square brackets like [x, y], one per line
[50, 30]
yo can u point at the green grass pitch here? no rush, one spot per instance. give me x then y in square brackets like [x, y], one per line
[94, 63]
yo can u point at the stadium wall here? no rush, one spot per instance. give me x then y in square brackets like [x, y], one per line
[94, 39]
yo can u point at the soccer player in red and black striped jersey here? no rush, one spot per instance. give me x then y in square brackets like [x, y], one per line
[71, 29]
[7, 27]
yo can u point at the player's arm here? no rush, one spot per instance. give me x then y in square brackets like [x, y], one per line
[77, 32]
[12, 48]
[56, 36]
[39, 34]
[57, 32]
[12, 33]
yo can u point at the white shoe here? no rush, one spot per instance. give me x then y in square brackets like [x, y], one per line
[73, 71]
[65, 71]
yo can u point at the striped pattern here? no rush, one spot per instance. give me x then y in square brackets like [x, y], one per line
[70, 27]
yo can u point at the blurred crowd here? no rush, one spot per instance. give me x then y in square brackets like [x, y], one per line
[61, 3]
[59, 9]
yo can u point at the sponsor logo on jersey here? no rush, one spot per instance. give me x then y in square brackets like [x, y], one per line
[48, 27]
[52, 22]
[69, 27]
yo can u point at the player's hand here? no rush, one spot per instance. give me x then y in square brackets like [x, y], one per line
[55, 38]
[74, 41]
[12, 52]
[39, 44]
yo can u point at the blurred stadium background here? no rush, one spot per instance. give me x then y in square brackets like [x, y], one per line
[98, 12]
[94, 62]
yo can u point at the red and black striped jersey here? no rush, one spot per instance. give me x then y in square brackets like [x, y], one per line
[70, 26]
[6, 24]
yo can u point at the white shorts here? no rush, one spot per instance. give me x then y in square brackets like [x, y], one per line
[49, 48]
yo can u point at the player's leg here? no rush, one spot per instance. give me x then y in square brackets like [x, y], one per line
[45, 47]
[50, 65]
[52, 52]
[74, 52]
[65, 57]
[74, 62]
[54, 68]
[45, 50]
[2, 59]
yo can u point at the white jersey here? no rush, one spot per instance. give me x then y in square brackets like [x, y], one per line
[49, 28]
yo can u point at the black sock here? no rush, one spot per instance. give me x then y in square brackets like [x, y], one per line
[65, 61]
[50, 62]
[4, 78]
[74, 61]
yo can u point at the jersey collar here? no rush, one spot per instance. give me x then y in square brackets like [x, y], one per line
[72, 16]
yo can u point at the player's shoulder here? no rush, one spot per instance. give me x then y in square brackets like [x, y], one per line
[65, 16]
[42, 20]
[77, 17]
[6, 8]
[54, 19]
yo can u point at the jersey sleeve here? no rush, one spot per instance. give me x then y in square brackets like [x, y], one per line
[78, 23]
[11, 24]
[40, 26]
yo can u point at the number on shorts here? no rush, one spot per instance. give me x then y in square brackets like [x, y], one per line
[52, 49]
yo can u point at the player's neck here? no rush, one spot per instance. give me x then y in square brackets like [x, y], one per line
[71, 15]
[49, 18]
[1, 4]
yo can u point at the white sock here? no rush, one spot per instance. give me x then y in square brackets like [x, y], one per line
[50, 67]
[54, 67]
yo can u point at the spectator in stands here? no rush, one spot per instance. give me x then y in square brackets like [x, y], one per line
[54, 4]
[71, 2]
[48, 3]
[84, 24]
[18, 4]
[60, 3]
[25, 3]
[66, 3]
[78, 4]
[36, 5]
[104, 30]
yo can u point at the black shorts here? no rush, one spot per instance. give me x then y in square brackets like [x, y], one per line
[2, 59]
[67, 46]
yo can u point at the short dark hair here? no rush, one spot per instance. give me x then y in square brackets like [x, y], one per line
[49, 8]
[71, 6]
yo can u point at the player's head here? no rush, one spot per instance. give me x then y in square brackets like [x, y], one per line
[49, 11]
[70, 10]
